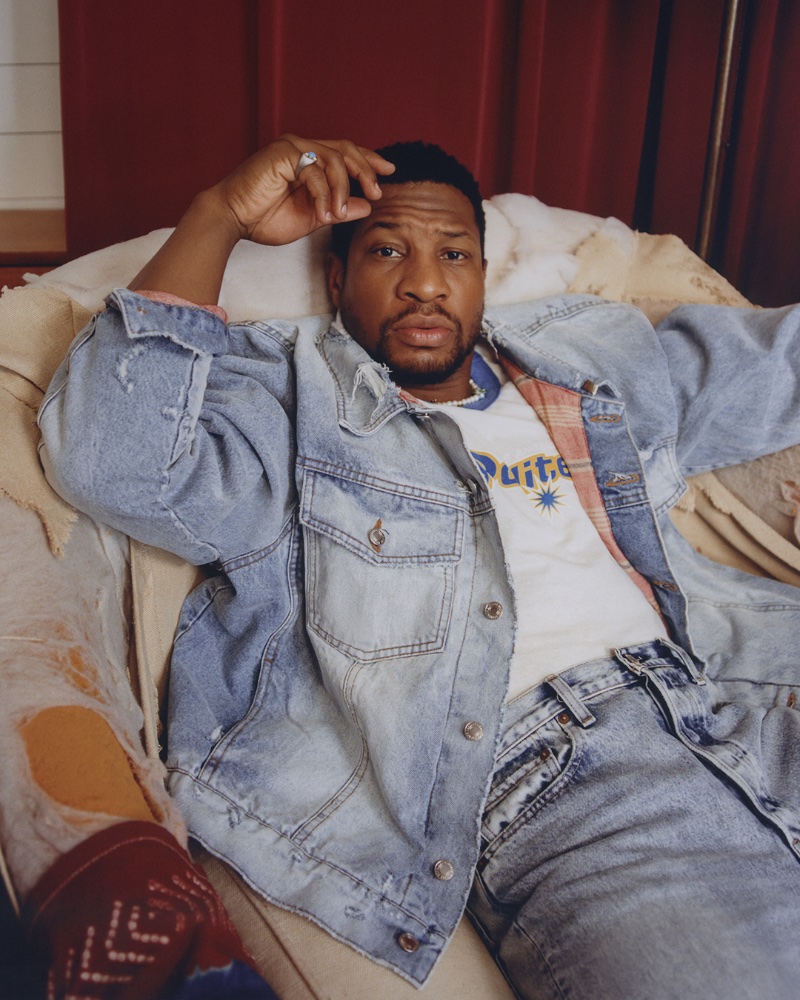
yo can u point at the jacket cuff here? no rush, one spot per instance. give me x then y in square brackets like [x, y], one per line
[190, 326]
[168, 299]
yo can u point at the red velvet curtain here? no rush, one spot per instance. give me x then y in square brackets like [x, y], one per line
[158, 101]
[597, 105]
[758, 242]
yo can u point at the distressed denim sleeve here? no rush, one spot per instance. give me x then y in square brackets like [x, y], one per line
[735, 378]
[153, 426]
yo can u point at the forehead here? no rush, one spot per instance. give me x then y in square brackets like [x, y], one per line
[424, 207]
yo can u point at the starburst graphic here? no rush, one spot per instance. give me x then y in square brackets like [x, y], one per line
[547, 500]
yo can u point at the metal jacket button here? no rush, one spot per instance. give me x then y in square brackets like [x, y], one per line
[376, 536]
[444, 870]
[493, 610]
[408, 942]
[473, 731]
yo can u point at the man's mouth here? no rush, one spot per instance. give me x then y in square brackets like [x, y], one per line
[422, 331]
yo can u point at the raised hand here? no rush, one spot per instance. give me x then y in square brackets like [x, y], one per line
[274, 204]
[265, 200]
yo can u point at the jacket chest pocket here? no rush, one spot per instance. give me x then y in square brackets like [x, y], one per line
[379, 567]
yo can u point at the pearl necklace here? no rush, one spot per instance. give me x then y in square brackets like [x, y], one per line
[477, 393]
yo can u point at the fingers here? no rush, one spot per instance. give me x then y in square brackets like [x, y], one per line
[328, 179]
[273, 204]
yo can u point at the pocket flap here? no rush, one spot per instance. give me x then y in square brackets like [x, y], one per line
[380, 522]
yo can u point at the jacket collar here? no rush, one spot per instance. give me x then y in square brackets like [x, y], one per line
[512, 333]
[366, 397]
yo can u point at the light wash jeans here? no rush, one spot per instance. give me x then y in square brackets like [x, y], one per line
[640, 841]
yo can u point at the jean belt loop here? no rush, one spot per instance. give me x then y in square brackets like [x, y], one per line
[576, 707]
[686, 661]
[638, 664]
[633, 663]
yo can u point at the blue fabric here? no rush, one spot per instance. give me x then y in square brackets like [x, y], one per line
[484, 378]
[360, 612]
[236, 981]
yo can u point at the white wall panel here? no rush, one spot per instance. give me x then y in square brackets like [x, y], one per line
[31, 163]
[31, 171]
[29, 99]
[28, 31]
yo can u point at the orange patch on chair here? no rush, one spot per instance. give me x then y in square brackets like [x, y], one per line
[78, 761]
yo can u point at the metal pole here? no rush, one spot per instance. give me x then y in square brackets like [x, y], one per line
[720, 121]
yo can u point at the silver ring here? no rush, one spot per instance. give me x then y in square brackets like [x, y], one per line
[306, 159]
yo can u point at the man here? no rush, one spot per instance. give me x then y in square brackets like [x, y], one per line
[453, 652]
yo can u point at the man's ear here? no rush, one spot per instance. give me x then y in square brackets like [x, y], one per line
[334, 275]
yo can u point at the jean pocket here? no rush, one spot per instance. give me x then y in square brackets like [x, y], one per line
[380, 566]
[527, 778]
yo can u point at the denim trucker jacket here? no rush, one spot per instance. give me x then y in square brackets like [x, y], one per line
[360, 613]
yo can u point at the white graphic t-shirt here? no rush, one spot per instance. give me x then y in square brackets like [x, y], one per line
[574, 601]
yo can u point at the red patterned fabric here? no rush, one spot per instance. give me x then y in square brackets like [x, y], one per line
[127, 915]
[560, 411]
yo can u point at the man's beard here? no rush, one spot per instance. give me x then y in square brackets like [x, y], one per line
[427, 369]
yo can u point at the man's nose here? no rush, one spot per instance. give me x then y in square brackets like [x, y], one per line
[423, 281]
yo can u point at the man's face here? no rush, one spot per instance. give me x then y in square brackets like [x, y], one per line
[412, 291]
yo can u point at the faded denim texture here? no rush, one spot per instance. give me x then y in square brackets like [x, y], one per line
[322, 678]
[617, 857]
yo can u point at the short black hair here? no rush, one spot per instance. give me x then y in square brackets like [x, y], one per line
[416, 162]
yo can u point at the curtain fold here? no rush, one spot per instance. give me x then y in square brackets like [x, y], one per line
[582, 91]
[692, 46]
[757, 245]
[157, 103]
[431, 71]
[598, 105]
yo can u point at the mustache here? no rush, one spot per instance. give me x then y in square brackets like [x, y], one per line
[424, 311]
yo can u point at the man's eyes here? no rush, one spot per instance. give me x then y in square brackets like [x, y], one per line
[391, 253]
